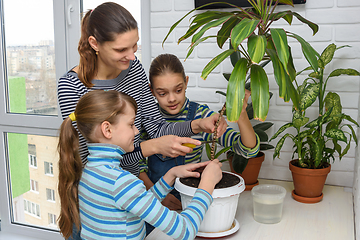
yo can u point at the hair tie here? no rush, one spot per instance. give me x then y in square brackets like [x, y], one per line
[72, 116]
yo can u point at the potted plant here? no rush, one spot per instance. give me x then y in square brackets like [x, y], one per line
[263, 43]
[316, 142]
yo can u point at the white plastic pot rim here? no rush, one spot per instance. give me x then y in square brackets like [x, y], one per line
[217, 193]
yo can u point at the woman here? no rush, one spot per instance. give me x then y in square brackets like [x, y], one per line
[109, 36]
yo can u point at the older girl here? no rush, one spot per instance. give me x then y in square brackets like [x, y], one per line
[110, 202]
[168, 83]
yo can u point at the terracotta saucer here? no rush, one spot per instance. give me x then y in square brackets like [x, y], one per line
[306, 199]
[248, 187]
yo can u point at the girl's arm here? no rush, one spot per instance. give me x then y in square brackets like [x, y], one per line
[148, 207]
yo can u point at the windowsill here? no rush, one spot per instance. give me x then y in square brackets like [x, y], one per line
[332, 218]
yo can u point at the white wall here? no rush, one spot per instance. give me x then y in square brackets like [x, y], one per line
[339, 23]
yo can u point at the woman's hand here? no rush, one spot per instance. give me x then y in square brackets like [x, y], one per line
[208, 125]
[169, 145]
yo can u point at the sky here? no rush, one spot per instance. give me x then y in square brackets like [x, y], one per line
[28, 22]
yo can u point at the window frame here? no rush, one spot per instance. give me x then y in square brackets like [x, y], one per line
[66, 56]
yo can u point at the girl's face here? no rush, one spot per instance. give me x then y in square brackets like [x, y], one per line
[169, 90]
[123, 131]
[118, 53]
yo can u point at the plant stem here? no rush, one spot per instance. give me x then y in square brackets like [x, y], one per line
[215, 132]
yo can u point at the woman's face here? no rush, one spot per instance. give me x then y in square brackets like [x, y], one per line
[169, 90]
[118, 53]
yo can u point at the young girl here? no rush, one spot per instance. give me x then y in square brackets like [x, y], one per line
[111, 202]
[168, 84]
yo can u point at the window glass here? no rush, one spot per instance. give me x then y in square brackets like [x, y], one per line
[33, 190]
[30, 57]
[133, 6]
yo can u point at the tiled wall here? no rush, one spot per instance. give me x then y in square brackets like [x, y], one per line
[339, 22]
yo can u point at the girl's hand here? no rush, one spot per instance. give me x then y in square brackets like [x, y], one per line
[184, 171]
[245, 103]
[208, 125]
[169, 145]
[211, 175]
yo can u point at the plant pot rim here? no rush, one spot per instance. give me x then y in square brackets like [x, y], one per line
[308, 171]
[217, 193]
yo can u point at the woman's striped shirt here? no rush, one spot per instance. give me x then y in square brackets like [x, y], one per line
[114, 203]
[229, 138]
[133, 82]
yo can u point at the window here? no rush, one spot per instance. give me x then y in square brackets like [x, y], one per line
[32, 155]
[32, 208]
[48, 168]
[35, 52]
[52, 219]
[34, 185]
[50, 194]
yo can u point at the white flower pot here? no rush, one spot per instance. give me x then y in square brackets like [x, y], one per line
[221, 213]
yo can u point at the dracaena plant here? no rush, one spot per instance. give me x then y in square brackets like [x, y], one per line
[317, 142]
[263, 43]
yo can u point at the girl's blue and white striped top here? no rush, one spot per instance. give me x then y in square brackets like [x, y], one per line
[229, 138]
[114, 203]
[133, 82]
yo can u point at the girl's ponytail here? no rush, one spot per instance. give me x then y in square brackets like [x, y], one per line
[70, 168]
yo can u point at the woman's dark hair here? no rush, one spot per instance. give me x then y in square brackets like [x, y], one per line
[92, 109]
[165, 63]
[103, 23]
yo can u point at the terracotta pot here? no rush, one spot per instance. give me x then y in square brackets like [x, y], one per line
[251, 171]
[308, 183]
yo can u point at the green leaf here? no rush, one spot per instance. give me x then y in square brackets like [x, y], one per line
[313, 123]
[332, 100]
[239, 163]
[309, 95]
[225, 31]
[209, 25]
[347, 117]
[256, 47]
[234, 57]
[215, 62]
[300, 121]
[236, 90]
[287, 15]
[353, 134]
[259, 92]
[308, 51]
[227, 76]
[225, 149]
[264, 146]
[281, 129]
[263, 126]
[195, 44]
[287, 2]
[280, 41]
[328, 54]
[336, 134]
[208, 150]
[242, 31]
[279, 145]
[221, 92]
[340, 71]
[312, 25]
[262, 135]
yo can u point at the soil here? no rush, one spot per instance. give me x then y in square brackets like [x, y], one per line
[228, 180]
